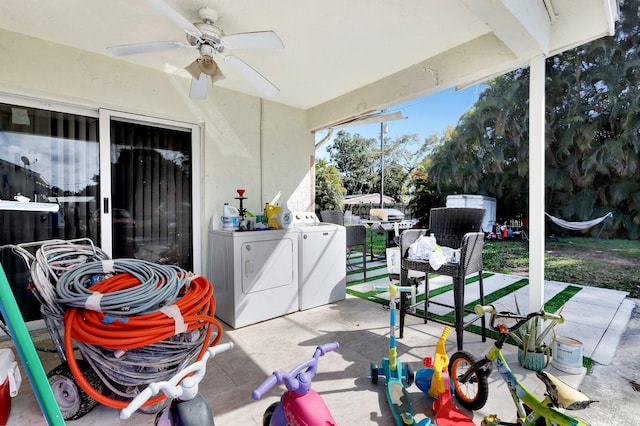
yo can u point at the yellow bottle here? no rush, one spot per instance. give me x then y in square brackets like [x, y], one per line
[272, 213]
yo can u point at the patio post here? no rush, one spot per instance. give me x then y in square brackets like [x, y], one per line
[537, 148]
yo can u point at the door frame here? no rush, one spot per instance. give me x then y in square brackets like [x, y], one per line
[105, 118]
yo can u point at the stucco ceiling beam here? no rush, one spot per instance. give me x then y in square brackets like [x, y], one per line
[524, 26]
[465, 64]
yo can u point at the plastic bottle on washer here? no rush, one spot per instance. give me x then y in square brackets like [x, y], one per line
[230, 218]
[284, 218]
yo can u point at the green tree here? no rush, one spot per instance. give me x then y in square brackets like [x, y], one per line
[399, 162]
[426, 195]
[358, 160]
[329, 189]
[593, 144]
[592, 135]
[426, 192]
[498, 130]
[353, 157]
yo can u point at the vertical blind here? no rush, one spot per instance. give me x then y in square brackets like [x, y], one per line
[151, 182]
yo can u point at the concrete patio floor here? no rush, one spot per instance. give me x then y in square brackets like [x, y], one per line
[362, 329]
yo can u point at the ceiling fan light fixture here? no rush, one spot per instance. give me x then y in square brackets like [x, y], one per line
[207, 65]
[194, 69]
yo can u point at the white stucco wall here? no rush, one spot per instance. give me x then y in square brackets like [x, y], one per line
[259, 145]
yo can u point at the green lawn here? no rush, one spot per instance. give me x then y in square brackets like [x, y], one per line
[586, 261]
[613, 264]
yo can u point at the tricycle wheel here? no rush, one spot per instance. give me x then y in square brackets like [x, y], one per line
[268, 413]
[374, 373]
[73, 401]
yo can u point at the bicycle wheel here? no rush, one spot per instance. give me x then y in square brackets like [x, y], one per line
[473, 393]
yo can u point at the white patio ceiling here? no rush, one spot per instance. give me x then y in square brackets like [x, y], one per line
[341, 57]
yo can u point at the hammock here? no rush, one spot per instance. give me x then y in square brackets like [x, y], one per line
[578, 226]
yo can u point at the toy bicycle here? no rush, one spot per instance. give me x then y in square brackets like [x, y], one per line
[299, 404]
[188, 407]
[471, 386]
[394, 372]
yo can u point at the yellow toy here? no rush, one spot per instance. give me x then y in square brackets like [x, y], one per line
[440, 363]
[436, 378]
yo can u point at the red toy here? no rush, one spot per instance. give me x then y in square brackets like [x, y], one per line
[447, 414]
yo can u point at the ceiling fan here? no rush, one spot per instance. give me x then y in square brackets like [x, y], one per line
[211, 42]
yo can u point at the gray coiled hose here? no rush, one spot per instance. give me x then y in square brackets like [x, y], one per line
[75, 262]
[155, 286]
[158, 286]
[51, 260]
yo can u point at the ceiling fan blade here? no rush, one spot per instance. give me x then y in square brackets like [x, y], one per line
[156, 46]
[253, 40]
[177, 18]
[199, 87]
[251, 75]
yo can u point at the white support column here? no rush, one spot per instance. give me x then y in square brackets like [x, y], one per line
[536, 182]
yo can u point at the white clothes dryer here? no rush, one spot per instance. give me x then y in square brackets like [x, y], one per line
[254, 274]
[322, 261]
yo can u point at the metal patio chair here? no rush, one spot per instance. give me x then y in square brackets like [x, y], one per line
[356, 236]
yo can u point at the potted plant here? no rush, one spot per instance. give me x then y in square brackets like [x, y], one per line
[534, 349]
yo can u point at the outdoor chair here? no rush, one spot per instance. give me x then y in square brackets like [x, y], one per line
[458, 228]
[356, 236]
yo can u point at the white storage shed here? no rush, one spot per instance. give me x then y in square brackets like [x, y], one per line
[476, 201]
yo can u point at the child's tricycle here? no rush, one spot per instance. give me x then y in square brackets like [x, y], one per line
[299, 404]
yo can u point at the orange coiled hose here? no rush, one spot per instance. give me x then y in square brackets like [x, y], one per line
[196, 305]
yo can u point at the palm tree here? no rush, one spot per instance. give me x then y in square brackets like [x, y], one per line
[592, 134]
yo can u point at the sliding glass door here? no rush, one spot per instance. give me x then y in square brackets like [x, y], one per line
[124, 181]
[151, 193]
[47, 157]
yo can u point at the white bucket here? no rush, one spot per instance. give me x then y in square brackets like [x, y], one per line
[230, 218]
[567, 355]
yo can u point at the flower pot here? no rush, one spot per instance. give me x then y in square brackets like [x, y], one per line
[534, 360]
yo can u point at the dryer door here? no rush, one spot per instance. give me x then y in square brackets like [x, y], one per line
[267, 264]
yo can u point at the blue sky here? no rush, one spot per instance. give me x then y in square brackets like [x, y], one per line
[425, 116]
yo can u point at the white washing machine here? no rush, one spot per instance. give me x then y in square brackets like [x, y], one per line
[254, 274]
[322, 261]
